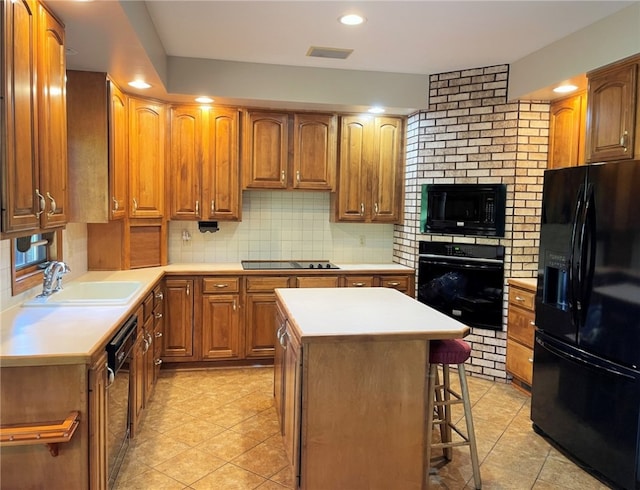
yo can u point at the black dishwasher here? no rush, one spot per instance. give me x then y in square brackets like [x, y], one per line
[119, 351]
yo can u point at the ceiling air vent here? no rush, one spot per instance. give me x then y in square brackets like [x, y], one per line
[335, 53]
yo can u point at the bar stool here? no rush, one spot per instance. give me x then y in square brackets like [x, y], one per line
[442, 397]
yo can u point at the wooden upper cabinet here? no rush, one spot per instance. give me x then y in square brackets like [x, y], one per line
[221, 173]
[204, 162]
[370, 170]
[96, 113]
[52, 120]
[186, 161]
[20, 204]
[613, 112]
[147, 123]
[289, 151]
[567, 129]
[266, 148]
[314, 151]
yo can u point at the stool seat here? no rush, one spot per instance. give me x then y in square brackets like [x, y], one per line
[453, 351]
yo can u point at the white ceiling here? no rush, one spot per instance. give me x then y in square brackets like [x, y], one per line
[409, 37]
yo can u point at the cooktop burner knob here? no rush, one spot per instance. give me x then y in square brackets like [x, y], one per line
[310, 266]
[327, 266]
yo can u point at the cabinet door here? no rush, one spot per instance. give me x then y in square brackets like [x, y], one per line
[292, 399]
[146, 158]
[186, 161]
[136, 392]
[387, 170]
[98, 417]
[353, 170]
[266, 150]
[221, 179]
[52, 120]
[220, 326]
[612, 110]
[567, 119]
[178, 328]
[118, 130]
[278, 368]
[21, 201]
[314, 151]
[260, 327]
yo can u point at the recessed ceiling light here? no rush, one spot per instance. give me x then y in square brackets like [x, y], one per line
[351, 19]
[204, 100]
[563, 89]
[376, 110]
[139, 84]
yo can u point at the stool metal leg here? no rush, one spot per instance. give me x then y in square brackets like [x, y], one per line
[470, 430]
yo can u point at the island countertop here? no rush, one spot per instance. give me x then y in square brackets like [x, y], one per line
[333, 313]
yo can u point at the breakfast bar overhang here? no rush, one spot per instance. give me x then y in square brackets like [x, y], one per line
[351, 382]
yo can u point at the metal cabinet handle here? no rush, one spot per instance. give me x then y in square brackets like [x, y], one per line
[188, 289]
[623, 140]
[298, 176]
[532, 323]
[146, 346]
[150, 339]
[160, 295]
[213, 206]
[158, 315]
[116, 206]
[518, 298]
[110, 376]
[393, 284]
[358, 284]
[361, 209]
[158, 335]
[222, 285]
[157, 362]
[53, 205]
[283, 176]
[42, 203]
[197, 207]
[375, 208]
[135, 204]
[530, 359]
[235, 306]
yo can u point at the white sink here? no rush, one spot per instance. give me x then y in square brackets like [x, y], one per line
[98, 293]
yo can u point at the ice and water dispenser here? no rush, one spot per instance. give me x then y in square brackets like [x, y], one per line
[556, 280]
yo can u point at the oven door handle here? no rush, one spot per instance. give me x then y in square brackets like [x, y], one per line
[476, 266]
[446, 259]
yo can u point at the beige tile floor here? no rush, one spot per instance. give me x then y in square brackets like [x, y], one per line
[217, 429]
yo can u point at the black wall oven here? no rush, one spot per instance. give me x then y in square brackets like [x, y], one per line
[463, 281]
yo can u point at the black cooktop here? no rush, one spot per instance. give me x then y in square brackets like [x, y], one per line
[287, 264]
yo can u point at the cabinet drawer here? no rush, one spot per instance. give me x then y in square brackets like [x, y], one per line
[401, 283]
[148, 306]
[220, 285]
[522, 298]
[520, 361]
[266, 283]
[521, 325]
[359, 281]
[317, 282]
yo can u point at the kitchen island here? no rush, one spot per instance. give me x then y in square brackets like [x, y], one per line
[350, 385]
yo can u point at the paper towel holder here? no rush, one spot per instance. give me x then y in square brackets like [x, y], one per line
[208, 226]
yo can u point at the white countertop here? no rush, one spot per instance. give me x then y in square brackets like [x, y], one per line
[375, 312]
[31, 336]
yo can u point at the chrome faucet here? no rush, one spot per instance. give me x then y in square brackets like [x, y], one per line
[52, 281]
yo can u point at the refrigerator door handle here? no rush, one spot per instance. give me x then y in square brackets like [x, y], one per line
[578, 360]
[588, 253]
[574, 262]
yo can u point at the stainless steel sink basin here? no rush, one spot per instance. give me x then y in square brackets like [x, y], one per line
[98, 293]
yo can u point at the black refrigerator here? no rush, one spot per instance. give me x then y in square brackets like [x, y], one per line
[586, 372]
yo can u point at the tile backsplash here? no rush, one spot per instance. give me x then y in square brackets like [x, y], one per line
[282, 225]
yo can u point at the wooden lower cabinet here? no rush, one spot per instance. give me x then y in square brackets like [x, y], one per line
[521, 332]
[98, 467]
[260, 325]
[220, 326]
[178, 319]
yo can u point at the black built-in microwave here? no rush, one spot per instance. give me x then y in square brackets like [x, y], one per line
[463, 209]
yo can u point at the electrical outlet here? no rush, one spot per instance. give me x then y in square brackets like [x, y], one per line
[363, 240]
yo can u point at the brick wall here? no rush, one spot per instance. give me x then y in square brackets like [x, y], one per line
[471, 134]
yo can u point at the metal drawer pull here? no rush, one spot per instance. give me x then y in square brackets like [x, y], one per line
[222, 285]
[160, 295]
[394, 284]
[359, 284]
[518, 298]
[158, 315]
[157, 362]
[158, 335]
